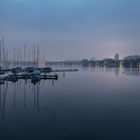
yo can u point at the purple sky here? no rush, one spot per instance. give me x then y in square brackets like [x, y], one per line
[72, 29]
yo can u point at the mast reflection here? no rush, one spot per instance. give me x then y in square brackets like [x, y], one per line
[3, 95]
[20, 90]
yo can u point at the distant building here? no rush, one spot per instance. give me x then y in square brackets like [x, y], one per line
[116, 57]
[84, 62]
[109, 62]
[131, 61]
[41, 63]
[132, 57]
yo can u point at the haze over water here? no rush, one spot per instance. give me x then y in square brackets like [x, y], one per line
[90, 104]
[72, 29]
[94, 103]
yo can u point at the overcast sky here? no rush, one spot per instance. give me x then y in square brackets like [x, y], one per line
[72, 29]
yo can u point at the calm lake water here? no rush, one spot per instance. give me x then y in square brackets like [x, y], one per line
[92, 104]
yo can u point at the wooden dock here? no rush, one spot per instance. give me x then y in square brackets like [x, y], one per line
[27, 77]
[65, 70]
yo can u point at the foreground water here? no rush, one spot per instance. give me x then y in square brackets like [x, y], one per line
[92, 104]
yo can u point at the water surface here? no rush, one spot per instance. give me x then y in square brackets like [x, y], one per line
[92, 104]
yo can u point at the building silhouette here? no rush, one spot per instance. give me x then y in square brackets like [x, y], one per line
[116, 57]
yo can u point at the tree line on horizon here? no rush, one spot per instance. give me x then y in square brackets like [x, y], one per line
[127, 62]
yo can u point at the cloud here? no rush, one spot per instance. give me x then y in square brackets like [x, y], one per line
[76, 28]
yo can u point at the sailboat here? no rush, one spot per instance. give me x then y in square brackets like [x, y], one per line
[3, 60]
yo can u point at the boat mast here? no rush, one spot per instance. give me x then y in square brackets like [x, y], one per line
[20, 59]
[32, 59]
[7, 57]
[14, 57]
[17, 59]
[29, 55]
[34, 55]
[4, 55]
[0, 54]
[38, 55]
[25, 55]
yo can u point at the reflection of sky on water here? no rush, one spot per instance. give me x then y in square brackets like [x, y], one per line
[94, 102]
[26, 94]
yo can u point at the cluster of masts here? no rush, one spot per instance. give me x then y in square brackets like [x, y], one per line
[24, 65]
[21, 57]
[3, 53]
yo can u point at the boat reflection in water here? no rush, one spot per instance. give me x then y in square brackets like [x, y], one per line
[21, 89]
[92, 104]
[3, 95]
